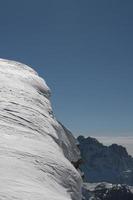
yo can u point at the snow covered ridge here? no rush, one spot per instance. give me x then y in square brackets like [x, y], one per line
[36, 151]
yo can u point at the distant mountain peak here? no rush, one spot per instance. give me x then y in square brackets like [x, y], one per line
[118, 149]
[105, 163]
[88, 140]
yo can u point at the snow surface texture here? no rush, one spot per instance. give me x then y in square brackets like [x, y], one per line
[35, 150]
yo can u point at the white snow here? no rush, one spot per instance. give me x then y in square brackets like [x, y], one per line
[35, 150]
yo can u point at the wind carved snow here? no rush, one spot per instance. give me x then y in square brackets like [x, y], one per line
[35, 150]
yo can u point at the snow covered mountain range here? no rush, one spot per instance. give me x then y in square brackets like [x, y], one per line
[36, 152]
[107, 191]
[105, 164]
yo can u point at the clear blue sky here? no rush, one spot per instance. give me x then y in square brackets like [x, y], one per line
[84, 50]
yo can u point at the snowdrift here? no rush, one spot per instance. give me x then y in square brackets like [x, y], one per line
[35, 150]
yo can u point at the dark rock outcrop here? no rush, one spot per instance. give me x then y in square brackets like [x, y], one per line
[103, 163]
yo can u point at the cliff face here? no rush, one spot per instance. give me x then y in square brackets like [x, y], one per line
[102, 163]
[36, 152]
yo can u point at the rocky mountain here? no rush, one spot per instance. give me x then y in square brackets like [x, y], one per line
[40, 158]
[36, 152]
[105, 164]
[106, 191]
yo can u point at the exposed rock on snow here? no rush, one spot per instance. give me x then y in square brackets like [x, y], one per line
[106, 191]
[102, 163]
[35, 150]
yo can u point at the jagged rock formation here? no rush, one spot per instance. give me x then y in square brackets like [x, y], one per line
[107, 191]
[36, 152]
[102, 163]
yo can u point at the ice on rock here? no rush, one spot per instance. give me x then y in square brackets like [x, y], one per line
[36, 151]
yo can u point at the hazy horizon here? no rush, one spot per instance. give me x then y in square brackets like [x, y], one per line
[125, 141]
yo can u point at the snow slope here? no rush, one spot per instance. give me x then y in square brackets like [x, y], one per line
[35, 150]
